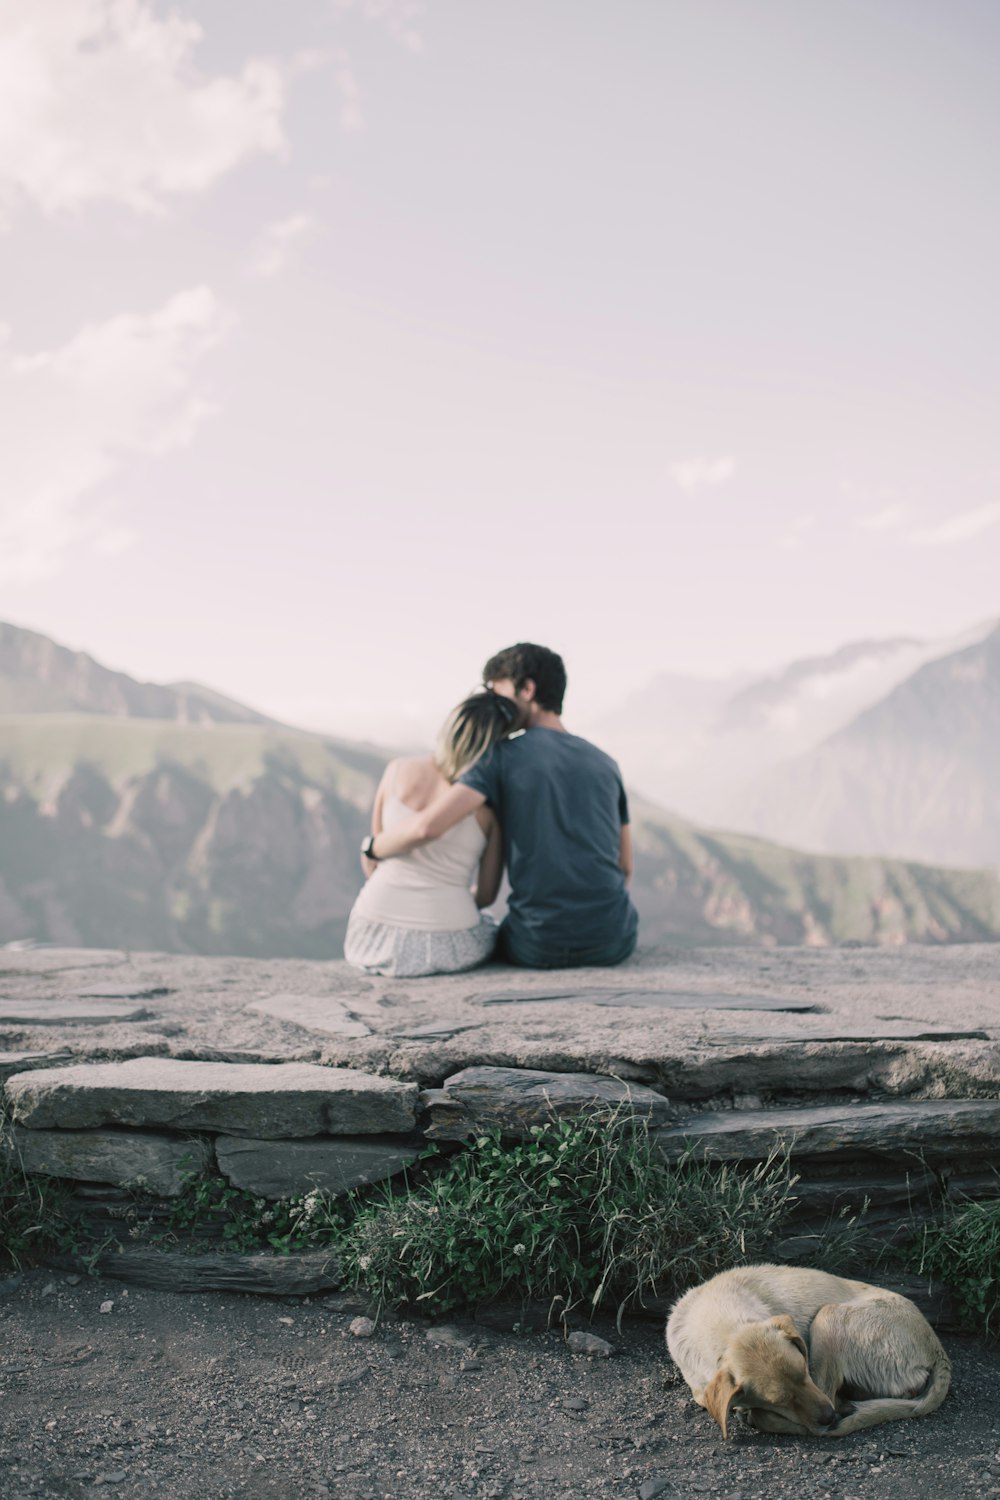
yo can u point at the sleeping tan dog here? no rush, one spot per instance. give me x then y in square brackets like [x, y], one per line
[804, 1352]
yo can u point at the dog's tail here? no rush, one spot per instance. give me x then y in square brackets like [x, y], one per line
[897, 1409]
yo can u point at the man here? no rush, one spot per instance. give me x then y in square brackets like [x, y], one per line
[565, 821]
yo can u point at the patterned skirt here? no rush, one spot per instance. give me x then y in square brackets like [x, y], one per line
[411, 952]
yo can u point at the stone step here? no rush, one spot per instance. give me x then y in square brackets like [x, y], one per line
[265, 1274]
[900, 1133]
[287, 1169]
[128, 1158]
[263, 1100]
[515, 1099]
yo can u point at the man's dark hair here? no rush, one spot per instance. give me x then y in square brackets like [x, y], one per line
[544, 667]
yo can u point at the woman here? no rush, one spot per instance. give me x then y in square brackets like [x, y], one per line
[420, 913]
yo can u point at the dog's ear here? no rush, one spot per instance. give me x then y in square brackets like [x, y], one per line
[788, 1328]
[719, 1395]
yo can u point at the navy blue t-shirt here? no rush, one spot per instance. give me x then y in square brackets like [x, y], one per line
[561, 805]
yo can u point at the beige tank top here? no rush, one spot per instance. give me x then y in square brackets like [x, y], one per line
[430, 887]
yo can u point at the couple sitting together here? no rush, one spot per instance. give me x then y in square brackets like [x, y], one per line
[507, 785]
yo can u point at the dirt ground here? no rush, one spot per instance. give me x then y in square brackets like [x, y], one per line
[131, 1393]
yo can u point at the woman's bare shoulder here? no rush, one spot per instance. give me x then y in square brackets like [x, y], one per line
[414, 776]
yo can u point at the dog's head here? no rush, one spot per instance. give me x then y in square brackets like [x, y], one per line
[765, 1367]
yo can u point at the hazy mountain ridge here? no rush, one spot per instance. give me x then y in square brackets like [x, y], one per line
[918, 773]
[711, 749]
[38, 676]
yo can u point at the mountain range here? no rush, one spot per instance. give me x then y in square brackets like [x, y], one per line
[883, 747]
[169, 817]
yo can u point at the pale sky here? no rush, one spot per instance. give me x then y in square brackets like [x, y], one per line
[346, 341]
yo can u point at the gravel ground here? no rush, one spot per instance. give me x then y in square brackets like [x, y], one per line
[130, 1393]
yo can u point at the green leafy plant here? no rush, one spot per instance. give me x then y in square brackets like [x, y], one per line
[581, 1211]
[209, 1209]
[962, 1249]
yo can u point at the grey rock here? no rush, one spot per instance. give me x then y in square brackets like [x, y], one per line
[575, 1403]
[127, 1158]
[23, 1062]
[450, 1337]
[651, 1488]
[322, 1013]
[334, 1164]
[259, 1272]
[935, 1127]
[269, 1101]
[362, 1328]
[659, 999]
[515, 1099]
[581, 1342]
[69, 1012]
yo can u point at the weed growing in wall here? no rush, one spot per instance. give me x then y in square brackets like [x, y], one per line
[962, 1248]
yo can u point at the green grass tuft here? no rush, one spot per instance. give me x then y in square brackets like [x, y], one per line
[585, 1212]
[962, 1249]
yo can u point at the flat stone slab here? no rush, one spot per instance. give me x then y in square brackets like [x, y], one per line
[262, 1273]
[934, 1129]
[321, 1013]
[127, 1158]
[650, 999]
[135, 991]
[515, 1099]
[69, 1012]
[21, 1062]
[268, 1100]
[336, 1164]
[869, 1031]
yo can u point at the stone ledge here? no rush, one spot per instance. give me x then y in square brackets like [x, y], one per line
[285, 1169]
[127, 1158]
[270, 1100]
[933, 1129]
[262, 1273]
[515, 1099]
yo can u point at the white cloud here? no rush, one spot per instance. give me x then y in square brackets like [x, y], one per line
[695, 473]
[886, 519]
[959, 529]
[278, 244]
[75, 415]
[99, 100]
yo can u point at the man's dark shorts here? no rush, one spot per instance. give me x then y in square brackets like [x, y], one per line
[529, 954]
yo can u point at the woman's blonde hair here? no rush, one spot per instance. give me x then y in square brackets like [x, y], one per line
[470, 730]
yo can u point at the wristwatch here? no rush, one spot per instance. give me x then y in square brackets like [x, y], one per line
[367, 848]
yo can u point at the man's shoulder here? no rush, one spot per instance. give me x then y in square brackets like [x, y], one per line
[562, 746]
[595, 753]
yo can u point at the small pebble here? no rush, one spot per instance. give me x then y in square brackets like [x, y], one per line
[106, 1307]
[575, 1403]
[654, 1487]
[362, 1328]
[288, 1322]
[589, 1343]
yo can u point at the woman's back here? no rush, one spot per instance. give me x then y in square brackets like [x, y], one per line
[431, 887]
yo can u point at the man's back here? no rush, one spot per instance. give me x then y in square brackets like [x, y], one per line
[561, 806]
